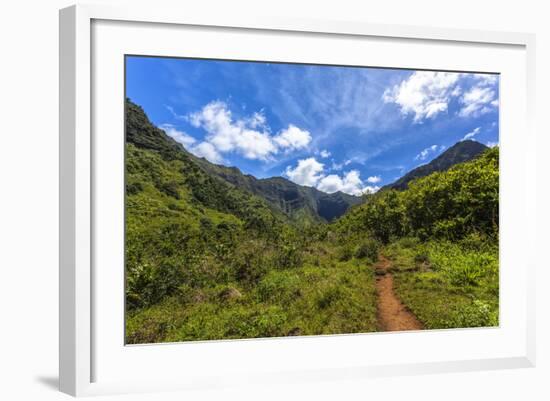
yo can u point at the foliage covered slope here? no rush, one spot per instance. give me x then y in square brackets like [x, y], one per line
[447, 205]
[176, 212]
[210, 256]
[303, 205]
[206, 259]
[460, 152]
[441, 235]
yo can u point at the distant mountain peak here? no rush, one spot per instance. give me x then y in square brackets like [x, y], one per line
[460, 152]
[296, 201]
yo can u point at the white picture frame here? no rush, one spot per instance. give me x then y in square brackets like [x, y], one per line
[82, 345]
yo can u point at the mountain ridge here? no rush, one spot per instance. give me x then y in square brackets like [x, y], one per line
[460, 152]
[292, 199]
[301, 204]
[298, 203]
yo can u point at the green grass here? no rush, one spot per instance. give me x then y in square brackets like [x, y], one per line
[447, 285]
[332, 298]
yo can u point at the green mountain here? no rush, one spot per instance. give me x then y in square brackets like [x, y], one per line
[299, 203]
[450, 204]
[176, 212]
[207, 258]
[458, 153]
[178, 173]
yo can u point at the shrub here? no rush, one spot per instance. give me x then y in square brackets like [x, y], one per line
[476, 241]
[462, 266]
[147, 284]
[329, 297]
[229, 294]
[409, 242]
[149, 327]
[279, 286]
[255, 322]
[170, 188]
[270, 322]
[465, 274]
[476, 314]
[288, 256]
[250, 262]
[345, 252]
[421, 257]
[133, 188]
[368, 249]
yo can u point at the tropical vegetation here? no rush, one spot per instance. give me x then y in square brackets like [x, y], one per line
[214, 254]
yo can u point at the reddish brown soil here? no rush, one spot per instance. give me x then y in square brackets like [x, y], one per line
[392, 314]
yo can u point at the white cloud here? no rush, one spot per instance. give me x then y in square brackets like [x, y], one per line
[492, 144]
[228, 136]
[371, 189]
[333, 183]
[349, 183]
[179, 136]
[339, 166]
[257, 120]
[203, 149]
[472, 133]
[374, 179]
[330, 184]
[477, 101]
[174, 114]
[423, 155]
[250, 137]
[324, 154]
[308, 172]
[293, 138]
[424, 94]
[254, 145]
[486, 79]
[208, 151]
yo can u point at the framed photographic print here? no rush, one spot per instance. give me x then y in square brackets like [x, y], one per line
[274, 200]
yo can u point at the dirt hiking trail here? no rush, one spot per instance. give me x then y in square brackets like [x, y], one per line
[392, 314]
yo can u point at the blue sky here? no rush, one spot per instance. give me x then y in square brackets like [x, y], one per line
[334, 128]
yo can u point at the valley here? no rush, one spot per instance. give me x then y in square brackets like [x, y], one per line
[212, 253]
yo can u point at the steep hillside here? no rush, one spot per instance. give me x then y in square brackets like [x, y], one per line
[176, 213]
[458, 153]
[206, 259]
[449, 204]
[300, 203]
